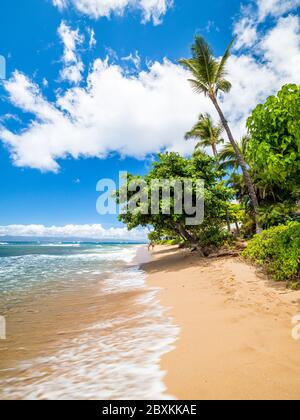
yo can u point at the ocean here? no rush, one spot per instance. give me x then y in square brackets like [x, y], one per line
[81, 323]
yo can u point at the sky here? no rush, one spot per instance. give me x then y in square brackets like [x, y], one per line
[94, 87]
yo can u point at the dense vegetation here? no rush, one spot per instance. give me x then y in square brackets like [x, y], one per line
[279, 250]
[166, 223]
[250, 185]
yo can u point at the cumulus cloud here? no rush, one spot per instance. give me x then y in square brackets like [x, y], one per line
[246, 28]
[281, 46]
[275, 7]
[150, 9]
[132, 115]
[145, 111]
[96, 232]
[261, 71]
[246, 31]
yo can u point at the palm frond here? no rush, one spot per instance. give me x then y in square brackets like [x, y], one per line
[209, 73]
[207, 65]
[227, 155]
[190, 64]
[244, 144]
[208, 133]
[223, 85]
[221, 73]
[198, 87]
[199, 147]
[228, 165]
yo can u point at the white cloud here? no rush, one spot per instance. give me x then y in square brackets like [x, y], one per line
[278, 63]
[275, 7]
[246, 32]
[96, 232]
[70, 40]
[147, 111]
[61, 4]
[254, 14]
[135, 59]
[151, 9]
[133, 115]
[92, 41]
[281, 46]
[73, 65]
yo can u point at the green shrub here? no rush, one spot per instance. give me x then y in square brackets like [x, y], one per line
[213, 236]
[278, 249]
[276, 214]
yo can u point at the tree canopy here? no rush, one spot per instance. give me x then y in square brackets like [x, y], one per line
[173, 167]
[274, 128]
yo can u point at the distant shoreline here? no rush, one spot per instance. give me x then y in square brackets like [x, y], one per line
[235, 340]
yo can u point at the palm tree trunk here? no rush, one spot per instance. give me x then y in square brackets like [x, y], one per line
[215, 151]
[242, 163]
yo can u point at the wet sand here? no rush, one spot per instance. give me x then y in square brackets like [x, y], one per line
[42, 321]
[96, 340]
[236, 332]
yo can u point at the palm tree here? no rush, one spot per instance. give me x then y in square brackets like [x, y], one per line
[209, 78]
[208, 133]
[227, 156]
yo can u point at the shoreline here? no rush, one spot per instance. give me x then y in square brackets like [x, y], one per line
[86, 327]
[235, 337]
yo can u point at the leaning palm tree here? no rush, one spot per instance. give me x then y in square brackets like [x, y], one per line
[208, 133]
[209, 78]
[227, 156]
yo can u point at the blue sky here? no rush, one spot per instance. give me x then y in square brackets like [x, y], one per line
[54, 149]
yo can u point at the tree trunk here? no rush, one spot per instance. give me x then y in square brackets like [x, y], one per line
[237, 229]
[215, 151]
[228, 221]
[185, 234]
[242, 163]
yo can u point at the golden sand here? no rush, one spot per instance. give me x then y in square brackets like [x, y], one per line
[236, 332]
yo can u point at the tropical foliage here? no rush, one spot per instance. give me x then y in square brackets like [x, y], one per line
[251, 183]
[278, 249]
[209, 77]
[274, 148]
[208, 134]
[168, 224]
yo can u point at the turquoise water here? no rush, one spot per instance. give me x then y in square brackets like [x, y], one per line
[25, 265]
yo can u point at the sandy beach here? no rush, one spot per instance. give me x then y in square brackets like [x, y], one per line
[166, 325]
[236, 331]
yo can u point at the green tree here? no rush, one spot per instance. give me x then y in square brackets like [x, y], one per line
[274, 148]
[208, 133]
[173, 167]
[209, 78]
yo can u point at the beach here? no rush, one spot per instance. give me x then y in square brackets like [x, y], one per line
[235, 338]
[81, 323]
[107, 322]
